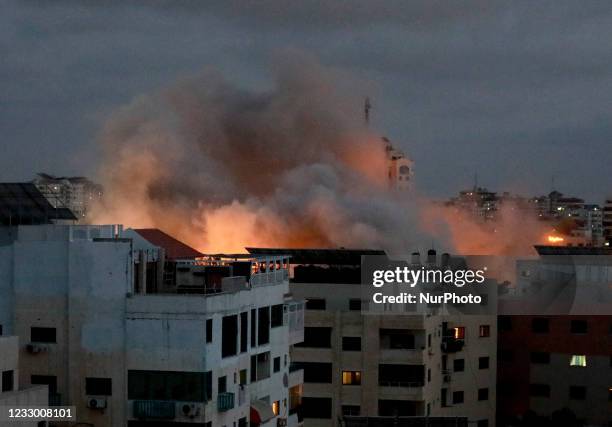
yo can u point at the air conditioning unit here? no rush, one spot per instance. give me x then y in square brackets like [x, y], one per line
[96, 402]
[34, 348]
[189, 410]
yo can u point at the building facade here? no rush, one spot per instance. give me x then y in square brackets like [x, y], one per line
[359, 364]
[99, 327]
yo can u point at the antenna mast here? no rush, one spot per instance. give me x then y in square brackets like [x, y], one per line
[367, 106]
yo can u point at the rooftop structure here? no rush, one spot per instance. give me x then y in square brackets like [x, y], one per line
[23, 203]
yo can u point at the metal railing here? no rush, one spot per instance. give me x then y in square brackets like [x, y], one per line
[154, 409]
[405, 384]
[225, 401]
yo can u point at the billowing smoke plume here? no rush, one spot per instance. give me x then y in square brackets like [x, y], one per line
[222, 168]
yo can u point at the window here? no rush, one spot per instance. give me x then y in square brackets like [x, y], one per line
[428, 375]
[483, 394]
[459, 333]
[317, 407]
[276, 316]
[457, 397]
[458, 365]
[578, 360]
[444, 397]
[253, 328]
[242, 422]
[243, 377]
[428, 340]
[577, 392]
[43, 335]
[504, 323]
[315, 304]
[263, 325]
[209, 330]
[244, 332]
[167, 385]
[276, 407]
[351, 410]
[539, 390]
[7, 381]
[354, 304]
[351, 343]
[315, 372]
[579, 326]
[276, 363]
[484, 331]
[260, 366]
[316, 337]
[229, 335]
[483, 362]
[396, 339]
[351, 378]
[98, 386]
[222, 384]
[482, 423]
[540, 357]
[539, 325]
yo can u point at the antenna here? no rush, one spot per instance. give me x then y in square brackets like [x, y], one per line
[367, 106]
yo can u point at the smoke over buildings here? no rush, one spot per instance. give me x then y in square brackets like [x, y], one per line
[222, 167]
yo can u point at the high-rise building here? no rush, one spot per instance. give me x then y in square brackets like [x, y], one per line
[362, 364]
[76, 193]
[400, 168]
[102, 329]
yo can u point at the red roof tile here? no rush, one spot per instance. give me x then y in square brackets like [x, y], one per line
[175, 249]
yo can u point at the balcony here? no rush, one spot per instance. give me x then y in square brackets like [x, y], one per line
[154, 409]
[225, 401]
[450, 344]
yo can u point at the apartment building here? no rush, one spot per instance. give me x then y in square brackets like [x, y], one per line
[12, 394]
[361, 367]
[100, 326]
[555, 365]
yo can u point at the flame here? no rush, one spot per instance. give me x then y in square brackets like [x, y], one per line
[554, 239]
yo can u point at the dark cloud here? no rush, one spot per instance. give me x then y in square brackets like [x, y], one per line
[517, 92]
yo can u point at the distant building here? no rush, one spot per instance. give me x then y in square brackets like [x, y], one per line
[478, 202]
[400, 168]
[368, 369]
[101, 328]
[72, 192]
[607, 221]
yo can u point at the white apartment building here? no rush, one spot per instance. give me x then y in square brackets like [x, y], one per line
[11, 394]
[97, 327]
[359, 364]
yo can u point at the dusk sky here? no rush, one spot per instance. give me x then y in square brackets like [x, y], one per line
[517, 92]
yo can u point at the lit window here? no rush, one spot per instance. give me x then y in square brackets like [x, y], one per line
[578, 360]
[485, 331]
[460, 332]
[351, 377]
[276, 407]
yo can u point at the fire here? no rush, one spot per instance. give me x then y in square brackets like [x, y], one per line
[554, 239]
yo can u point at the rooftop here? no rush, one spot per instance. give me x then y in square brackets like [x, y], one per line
[340, 256]
[174, 248]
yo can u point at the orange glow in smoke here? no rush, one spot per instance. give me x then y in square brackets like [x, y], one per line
[554, 239]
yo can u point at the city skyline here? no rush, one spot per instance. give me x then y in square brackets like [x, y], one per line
[484, 89]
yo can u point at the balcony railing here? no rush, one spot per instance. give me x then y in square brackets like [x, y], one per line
[405, 384]
[154, 409]
[225, 401]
